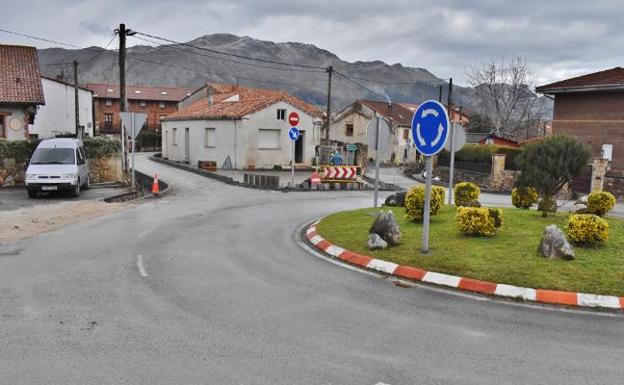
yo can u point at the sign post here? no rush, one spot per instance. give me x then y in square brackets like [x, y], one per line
[456, 141]
[293, 134]
[133, 122]
[378, 135]
[430, 129]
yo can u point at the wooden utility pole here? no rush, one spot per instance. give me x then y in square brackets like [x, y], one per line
[440, 93]
[76, 103]
[330, 71]
[123, 100]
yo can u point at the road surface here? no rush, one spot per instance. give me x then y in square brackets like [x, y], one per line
[209, 286]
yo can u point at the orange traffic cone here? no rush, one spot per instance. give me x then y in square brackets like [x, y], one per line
[155, 188]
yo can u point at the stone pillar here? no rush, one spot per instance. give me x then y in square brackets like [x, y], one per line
[498, 171]
[599, 170]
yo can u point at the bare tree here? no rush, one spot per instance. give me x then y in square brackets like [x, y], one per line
[504, 88]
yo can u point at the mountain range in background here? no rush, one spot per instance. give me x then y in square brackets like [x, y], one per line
[180, 65]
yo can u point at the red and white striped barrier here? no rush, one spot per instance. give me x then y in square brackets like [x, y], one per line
[340, 172]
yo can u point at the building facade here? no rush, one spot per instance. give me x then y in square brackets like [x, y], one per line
[242, 128]
[58, 116]
[21, 92]
[157, 102]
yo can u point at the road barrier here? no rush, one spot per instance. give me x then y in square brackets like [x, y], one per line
[261, 181]
[340, 174]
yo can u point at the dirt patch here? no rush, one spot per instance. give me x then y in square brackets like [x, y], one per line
[28, 222]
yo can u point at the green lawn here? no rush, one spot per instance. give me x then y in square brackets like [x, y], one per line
[508, 257]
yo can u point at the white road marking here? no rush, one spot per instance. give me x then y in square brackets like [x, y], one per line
[140, 266]
[515, 292]
[441, 279]
[598, 300]
[379, 265]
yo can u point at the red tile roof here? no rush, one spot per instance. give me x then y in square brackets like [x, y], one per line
[20, 80]
[608, 79]
[401, 114]
[138, 92]
[250, 100]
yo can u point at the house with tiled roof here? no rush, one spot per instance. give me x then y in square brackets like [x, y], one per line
[21, 92]
[155, 101]
[591, 108]
[241, 127]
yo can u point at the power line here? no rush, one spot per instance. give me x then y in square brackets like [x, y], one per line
[231, 54]
[346, 78]
[415, 82]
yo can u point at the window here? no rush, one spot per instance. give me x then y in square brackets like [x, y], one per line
[269, 139]
[349, 130]
[174, 139]
[161, 105]
[142, 103]
[109, 102]
[2, 133]
[54, 156]
[108, 119]
[210, 140]
[281, 114]
[406, 134]
[607, 151]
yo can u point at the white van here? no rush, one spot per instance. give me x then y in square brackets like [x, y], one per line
[57, 165]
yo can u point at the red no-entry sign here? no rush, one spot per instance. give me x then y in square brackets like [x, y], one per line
[293, 119]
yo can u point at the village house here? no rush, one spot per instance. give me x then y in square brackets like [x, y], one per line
[58, 116]
[21, 92]
[349, 126]
[156, 101]
[242, 128]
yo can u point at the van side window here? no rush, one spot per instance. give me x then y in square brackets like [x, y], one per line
[82, 153]
[79, 159]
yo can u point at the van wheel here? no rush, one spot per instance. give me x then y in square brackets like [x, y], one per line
[76, 191]
[87, 184]
[32, 193]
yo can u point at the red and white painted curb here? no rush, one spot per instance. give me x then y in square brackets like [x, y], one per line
[415, 274]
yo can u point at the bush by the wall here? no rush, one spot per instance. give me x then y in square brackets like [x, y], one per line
[415, 202]
[466, 193]
[20, 150]
[524, 197]
[101, 147]
[600, 203]
[587, 229]
[479, 220]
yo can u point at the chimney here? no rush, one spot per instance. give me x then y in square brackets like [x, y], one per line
[210, 96]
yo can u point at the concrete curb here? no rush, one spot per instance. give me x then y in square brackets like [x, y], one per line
[551, 297]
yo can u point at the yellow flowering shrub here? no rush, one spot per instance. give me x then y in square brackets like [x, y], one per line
[600, 203]
[415, 202]
[479, 220]
[466, 193]
[524, 197]
[587, 229]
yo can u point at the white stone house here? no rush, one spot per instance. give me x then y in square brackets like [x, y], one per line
[243, 127]
[58, 116]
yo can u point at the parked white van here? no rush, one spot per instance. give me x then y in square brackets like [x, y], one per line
[57, 165]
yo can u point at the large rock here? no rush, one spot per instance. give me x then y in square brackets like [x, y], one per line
[579, 208]
[376, 242]
[397, 199]
[583, 200]
[554, 244]
[386, 226]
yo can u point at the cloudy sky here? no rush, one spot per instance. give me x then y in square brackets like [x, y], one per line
[558, 38]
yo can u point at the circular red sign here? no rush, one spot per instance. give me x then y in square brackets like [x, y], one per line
[293, 118]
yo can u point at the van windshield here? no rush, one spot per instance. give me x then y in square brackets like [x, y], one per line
[53, 156]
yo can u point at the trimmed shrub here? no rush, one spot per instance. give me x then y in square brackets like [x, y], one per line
[415, 202]
[101, 147]
[20, 150]
[587, 229]
[479, 220]
[600, 203]
[524, 197]
[466, 193]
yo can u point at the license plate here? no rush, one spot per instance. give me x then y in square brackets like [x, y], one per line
[49, 188]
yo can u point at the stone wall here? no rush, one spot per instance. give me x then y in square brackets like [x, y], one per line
[615, 185]
[479, 178]
[499, 180]
[11, 173]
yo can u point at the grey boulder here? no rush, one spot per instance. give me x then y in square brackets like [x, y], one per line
[376, 242]
[554, 244]
[579, 208]
[386, 226]
[397, 199]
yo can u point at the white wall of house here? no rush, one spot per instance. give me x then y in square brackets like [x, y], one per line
[57, 116]
[259, 140]
[15, 121]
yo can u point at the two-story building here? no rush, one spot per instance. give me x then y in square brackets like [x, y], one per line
[21, 92]
[156, 101]
[241, 127]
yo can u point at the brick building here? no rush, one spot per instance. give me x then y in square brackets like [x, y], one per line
[157, 102]
[591, 108]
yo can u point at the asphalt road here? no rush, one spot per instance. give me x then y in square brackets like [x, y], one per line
[16, 198]
[209, 286]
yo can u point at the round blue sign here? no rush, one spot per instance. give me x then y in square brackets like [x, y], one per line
[430, 127]
[293, 133]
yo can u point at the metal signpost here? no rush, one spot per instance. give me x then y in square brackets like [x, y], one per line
[456, 141]
[378, 135]
[293, 134]
[134, 121]
[430, 129]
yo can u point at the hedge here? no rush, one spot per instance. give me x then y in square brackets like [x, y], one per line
[480, 153]
[21, 150]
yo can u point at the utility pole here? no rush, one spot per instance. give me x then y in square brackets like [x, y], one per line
[123, 99]
[440, 93]
[330, 71]
[449, 110]
[76, 104]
